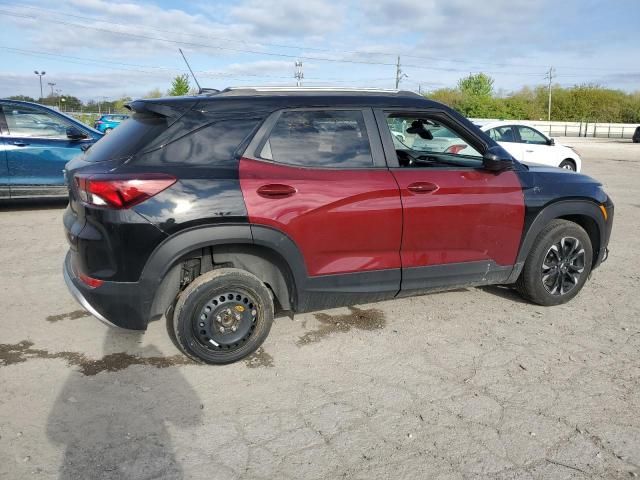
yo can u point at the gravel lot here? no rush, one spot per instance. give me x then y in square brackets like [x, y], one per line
[472, 383]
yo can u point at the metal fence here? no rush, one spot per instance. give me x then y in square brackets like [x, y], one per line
[582, 129]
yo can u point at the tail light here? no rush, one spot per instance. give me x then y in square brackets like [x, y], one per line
[121, 191]
[455, 149]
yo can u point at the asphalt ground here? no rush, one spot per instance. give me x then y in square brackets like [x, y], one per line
[473, 383]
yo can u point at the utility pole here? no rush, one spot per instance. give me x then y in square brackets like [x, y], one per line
[40, 74]
[399, 74]
[550, 75]
[299, 75]
[51, 84]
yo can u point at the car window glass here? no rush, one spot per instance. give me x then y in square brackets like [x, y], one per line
[502, 134]
[425, 142]
[320, 138]
[32, 122]
[529, 135]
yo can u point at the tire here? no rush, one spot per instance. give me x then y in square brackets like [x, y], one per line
[222, 316]
[550, 259]
[568, 164]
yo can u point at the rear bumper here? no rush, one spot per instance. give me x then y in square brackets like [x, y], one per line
[117, 304]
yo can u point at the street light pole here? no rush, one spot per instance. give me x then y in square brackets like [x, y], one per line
[40, 74]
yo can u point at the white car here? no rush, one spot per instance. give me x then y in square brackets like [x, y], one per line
[528, 145]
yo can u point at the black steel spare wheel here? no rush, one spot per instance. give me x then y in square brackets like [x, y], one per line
[226, 321]
[562, 266]
[222, 316]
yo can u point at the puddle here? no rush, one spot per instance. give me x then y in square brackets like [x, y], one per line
[370, 319]
[259, 359]
[76, 314]
[11, 354]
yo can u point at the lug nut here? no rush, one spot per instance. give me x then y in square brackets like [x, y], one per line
[219, 319]
[221, 329]
[234, 328]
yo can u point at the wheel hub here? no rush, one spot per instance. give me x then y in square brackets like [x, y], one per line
[226, 321]
[563, 266]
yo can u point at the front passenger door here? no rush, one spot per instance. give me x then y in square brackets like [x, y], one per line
[462, 224]
[536, 146]
[507, 138]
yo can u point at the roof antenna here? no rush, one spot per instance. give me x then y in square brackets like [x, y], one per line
[192, 74]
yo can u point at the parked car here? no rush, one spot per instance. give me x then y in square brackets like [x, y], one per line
[106, 123]
[530, 146]
[35, 144]
[219, 210]
[636, 135]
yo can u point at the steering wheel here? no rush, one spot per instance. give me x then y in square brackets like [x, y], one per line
[405, 159]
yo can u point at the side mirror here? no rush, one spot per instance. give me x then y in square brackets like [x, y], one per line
[74, 133]
[496, 159]
[551, 142]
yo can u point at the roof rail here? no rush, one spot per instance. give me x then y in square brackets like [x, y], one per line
[313, 89]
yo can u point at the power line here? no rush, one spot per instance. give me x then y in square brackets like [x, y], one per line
[296, 47]
[255, 52]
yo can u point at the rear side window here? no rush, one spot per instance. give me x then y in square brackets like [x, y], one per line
[128, 139]
[320, 138]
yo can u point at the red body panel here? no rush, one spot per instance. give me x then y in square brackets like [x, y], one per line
[470, 215]
[342, 220]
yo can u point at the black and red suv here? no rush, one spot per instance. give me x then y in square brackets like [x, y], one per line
[221, 209]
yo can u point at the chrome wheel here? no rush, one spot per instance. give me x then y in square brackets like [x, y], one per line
[563, 266]
[226, 321]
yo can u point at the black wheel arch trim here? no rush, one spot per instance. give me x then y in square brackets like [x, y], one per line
[560, 209]
[279, 251]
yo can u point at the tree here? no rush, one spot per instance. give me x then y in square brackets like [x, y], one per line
[476, 85]
[179, 86]
[24, 98]
[155, 93]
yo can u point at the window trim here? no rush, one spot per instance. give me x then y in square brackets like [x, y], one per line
[444, 117]
[264, 132]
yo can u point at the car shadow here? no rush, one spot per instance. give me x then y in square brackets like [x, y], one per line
[33, 204]
[505, 292]
[112, 420]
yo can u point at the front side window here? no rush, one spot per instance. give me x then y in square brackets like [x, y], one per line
[503, 134]
[531, 136]
[421, 141]
[32, 122]
[320, 138]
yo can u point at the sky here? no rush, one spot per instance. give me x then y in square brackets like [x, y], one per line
[97, 49]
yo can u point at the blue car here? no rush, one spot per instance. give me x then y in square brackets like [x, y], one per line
[106, 123]
[35, 144]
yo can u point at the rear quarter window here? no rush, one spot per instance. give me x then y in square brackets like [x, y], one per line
[215, 144]
[128, 139]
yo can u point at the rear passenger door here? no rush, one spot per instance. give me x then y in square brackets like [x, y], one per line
[4, 168]
[319, 176]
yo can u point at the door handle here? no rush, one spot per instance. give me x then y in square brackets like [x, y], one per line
[276, 190]
[19, 143]
[422, 187]
[529, 151]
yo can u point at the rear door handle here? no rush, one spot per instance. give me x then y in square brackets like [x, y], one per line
[422, 187]
[19, 143]
[529, 151]
[276, 190]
